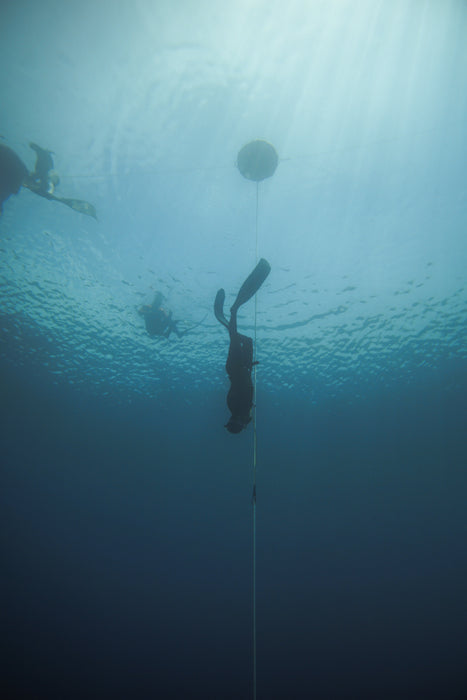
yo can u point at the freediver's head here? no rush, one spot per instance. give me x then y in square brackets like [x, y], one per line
[234, 425]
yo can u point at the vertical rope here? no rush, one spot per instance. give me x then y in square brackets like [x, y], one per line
[253, 499]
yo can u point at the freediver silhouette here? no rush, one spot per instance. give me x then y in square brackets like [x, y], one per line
[158, 320]
[42, 180]
[240, 357]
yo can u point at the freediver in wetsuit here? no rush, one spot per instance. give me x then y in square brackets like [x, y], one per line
[240, 358]
[42, 181]
[158, 320]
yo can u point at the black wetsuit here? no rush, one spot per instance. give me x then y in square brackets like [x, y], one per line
[239, 365]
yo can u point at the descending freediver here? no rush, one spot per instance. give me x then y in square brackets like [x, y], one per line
[240, 358]
[42, 181]
[158, 320]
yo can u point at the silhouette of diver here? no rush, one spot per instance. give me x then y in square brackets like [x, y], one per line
[240, 358]
[158, 320]
[42, 181]
[44, 178]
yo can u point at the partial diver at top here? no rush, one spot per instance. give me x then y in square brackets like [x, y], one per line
[240, 358]
[42, 181]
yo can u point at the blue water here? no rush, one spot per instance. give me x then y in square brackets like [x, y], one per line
[125, 506]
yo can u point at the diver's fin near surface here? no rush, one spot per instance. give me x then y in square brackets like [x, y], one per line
[219, 308]
[252, 283]
[78, 205]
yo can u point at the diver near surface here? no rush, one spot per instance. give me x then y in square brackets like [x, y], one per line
[44, 178]
[240, 358]
[158, 320]
[42, 181]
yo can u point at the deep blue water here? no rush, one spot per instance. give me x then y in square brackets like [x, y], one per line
[127, 547]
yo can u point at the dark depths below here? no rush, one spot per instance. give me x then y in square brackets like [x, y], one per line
[126, 546]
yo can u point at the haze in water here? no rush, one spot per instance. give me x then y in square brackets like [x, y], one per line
[125, 505]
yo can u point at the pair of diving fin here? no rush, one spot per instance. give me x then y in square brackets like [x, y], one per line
[248, 289]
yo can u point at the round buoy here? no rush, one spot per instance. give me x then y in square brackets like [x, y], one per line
[257, 160]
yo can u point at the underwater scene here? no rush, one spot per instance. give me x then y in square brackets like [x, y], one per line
[233, 349]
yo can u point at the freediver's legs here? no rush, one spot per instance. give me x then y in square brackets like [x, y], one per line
[233, 324]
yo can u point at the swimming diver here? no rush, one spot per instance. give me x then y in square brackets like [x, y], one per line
[158, 320]
[42, 181]
[240, 358]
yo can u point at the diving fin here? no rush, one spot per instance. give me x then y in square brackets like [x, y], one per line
[76, 204]
[219, 308]
[79, 205]
[252, 283]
